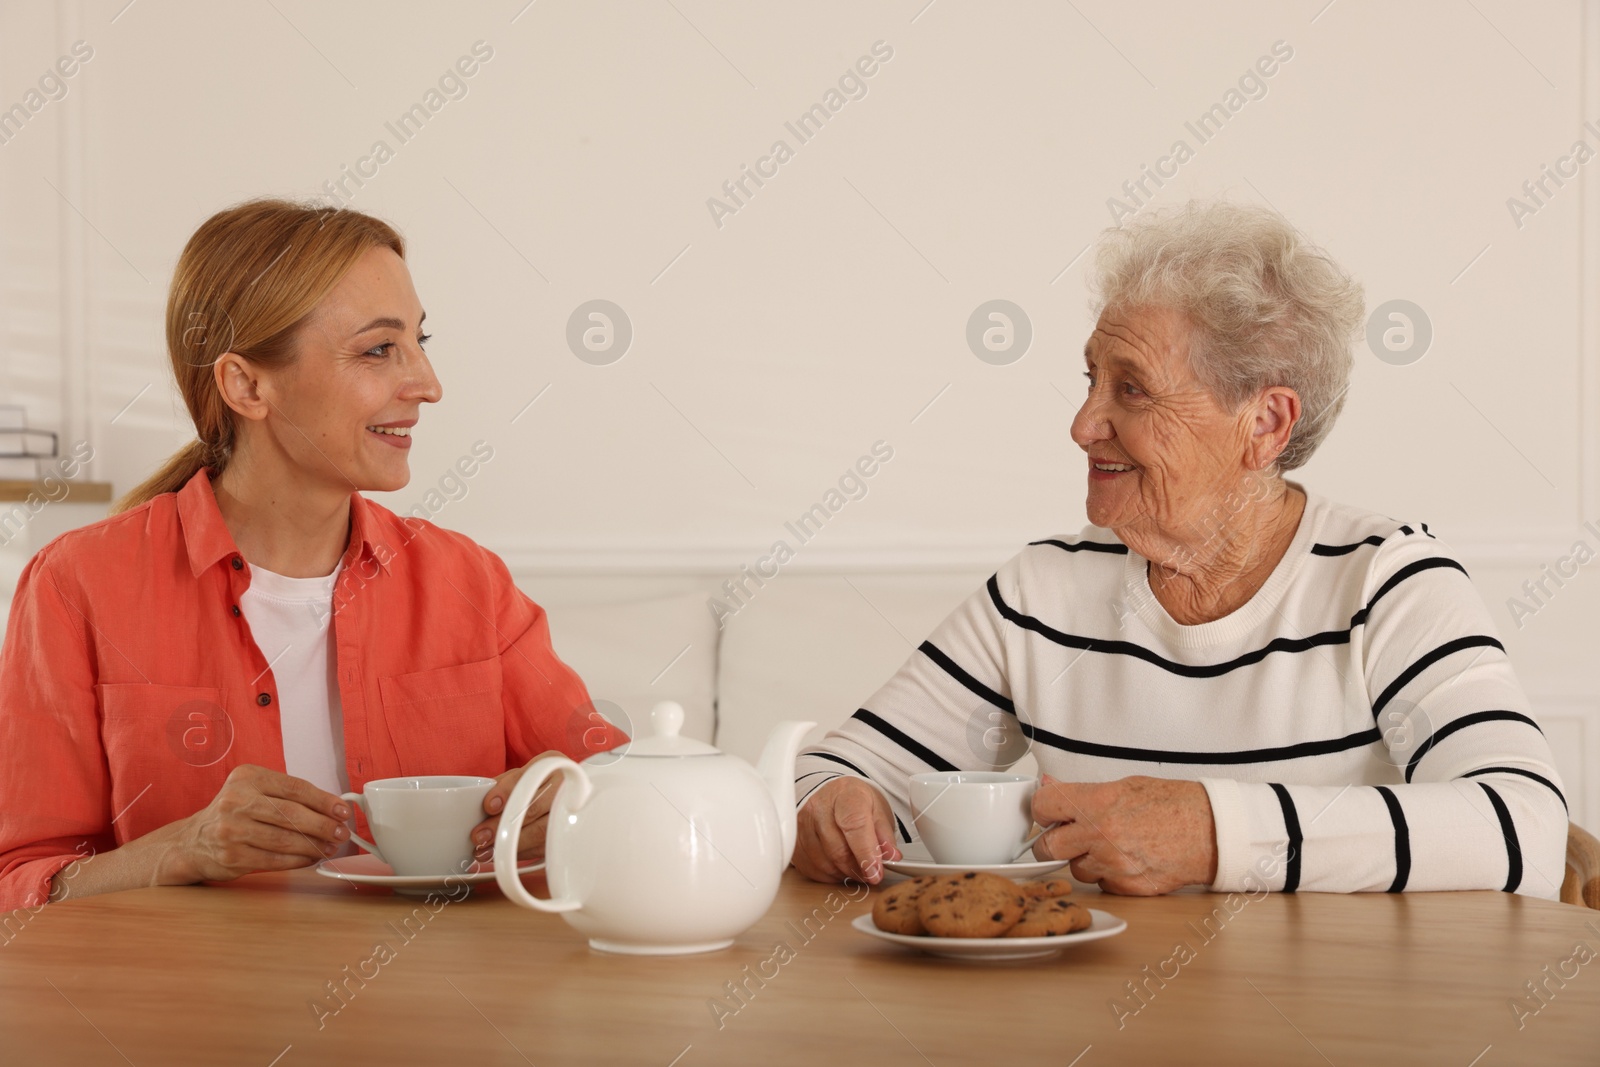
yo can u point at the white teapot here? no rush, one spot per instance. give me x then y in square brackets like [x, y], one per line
[664, 845]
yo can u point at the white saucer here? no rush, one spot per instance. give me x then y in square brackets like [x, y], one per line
[918, 862]
[365, 869]
[999, 948]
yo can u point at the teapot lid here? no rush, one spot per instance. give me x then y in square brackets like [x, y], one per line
[666, 719]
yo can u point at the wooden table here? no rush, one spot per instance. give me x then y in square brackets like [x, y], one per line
[230, 975]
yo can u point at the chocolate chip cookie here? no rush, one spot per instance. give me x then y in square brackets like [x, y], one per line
[974, 904]
[895, 910]
[1051, 917]
[1050, 887]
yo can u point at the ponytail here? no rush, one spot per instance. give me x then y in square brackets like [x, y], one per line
[173, 475]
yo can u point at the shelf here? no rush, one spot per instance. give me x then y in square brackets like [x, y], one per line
[79, 492]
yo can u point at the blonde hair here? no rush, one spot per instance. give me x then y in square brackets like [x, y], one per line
[1266, 306]
[246, 282]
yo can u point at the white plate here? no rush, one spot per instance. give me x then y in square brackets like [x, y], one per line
[918, 862]
[366, 869]
[999, 948]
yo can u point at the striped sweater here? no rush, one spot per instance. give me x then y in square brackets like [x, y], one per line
[1357, 725]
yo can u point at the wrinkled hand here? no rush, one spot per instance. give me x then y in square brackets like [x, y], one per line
[260, 820]
[530, 844]
[846, 830]
[1137, 836]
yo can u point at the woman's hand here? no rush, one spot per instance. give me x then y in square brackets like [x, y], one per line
[846, 830]
[260, 820]
[1138, 836]
[530, 845]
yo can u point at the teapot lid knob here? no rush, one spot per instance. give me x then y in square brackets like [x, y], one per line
[666, 725]
[666, 718]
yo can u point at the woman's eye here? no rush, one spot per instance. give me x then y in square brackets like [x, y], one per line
[1127, 388]
[384, 349]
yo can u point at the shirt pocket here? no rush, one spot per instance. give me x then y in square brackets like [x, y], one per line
[178, 738]
[449, 720]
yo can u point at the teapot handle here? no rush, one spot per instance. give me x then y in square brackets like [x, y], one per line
[517, 804]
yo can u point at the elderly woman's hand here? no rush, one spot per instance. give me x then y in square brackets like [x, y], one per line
[845, 831]
[1137, 836]
[530, 845]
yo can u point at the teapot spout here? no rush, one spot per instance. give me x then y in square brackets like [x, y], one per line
[776, 768]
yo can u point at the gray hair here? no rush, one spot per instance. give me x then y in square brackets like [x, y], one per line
[1265, 305]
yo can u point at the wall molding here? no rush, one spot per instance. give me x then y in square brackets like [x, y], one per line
[1583, 710]
[722, 561]
[1524, 553]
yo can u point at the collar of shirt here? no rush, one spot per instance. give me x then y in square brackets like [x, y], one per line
[207, 540]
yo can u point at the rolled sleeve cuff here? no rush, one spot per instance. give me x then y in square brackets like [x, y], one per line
[27, 886]
[1232, 820]
[810, 786]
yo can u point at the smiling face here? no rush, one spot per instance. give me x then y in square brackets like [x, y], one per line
[1176, 451]
[360, 365]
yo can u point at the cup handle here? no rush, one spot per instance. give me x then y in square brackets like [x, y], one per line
[510, 832]
[361, 802]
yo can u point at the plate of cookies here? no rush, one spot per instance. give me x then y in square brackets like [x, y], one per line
[983, 915]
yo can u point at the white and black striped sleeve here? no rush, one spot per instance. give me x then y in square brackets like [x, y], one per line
[940, 711]
[1479, 804]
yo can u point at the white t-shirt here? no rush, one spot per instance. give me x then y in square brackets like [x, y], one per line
[290, 620]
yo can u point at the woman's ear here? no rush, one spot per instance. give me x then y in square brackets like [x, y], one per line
[1277, 410]
[240, 384]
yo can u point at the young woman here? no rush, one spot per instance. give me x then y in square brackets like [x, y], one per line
[187, 686]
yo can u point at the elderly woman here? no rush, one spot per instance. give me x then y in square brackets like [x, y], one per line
[188, 686]
[1227, 680]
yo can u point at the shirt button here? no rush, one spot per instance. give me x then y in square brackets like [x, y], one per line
[236, 611]
[238, 564]
[263, 699]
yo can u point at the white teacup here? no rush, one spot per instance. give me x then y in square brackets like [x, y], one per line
[423, 825]
[976, 818]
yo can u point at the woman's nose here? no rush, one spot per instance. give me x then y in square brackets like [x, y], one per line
[425, 384]
[1089, 425]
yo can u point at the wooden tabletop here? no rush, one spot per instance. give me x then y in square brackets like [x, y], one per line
[243, 973]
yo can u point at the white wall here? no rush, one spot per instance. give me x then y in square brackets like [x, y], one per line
[770, 352]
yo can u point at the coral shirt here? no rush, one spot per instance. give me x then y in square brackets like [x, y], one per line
[130, 684]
